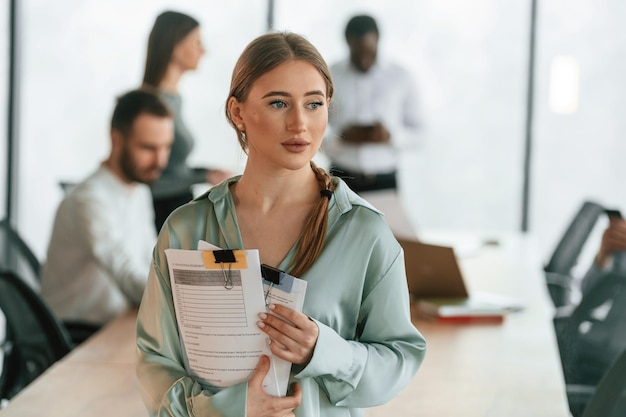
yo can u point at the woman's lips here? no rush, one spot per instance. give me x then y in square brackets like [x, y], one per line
[296, 145]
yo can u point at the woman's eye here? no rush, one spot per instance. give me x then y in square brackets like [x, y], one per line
[278, 104]
[316, 105]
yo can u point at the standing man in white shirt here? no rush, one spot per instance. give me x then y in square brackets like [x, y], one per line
[373, 115]
[101, 246]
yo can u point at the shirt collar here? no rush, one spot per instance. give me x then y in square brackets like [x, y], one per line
[343, 200]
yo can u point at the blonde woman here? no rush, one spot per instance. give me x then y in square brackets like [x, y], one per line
[354, 345]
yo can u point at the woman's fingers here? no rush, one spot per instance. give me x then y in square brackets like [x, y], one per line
[260, 404]
[258, 375]
[293, 334]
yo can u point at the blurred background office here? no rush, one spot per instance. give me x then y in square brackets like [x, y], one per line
[498, 155]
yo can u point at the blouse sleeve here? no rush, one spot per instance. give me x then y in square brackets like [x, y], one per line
[383, 358]
[166, 388]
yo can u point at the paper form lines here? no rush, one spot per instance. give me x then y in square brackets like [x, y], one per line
[205, 302]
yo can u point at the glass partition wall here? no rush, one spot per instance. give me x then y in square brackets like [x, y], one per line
[79, 55]
[4, 93]
[469, 64]
[579, 136]
[470, 61]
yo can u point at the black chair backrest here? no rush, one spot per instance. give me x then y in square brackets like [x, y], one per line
[595, 334]
[16, 255]
[568, 249]
[609, 399]
[5, 351]
[35, 337]
[558, 269]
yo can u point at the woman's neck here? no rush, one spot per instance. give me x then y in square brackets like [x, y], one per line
[266, 191]
[171, 79]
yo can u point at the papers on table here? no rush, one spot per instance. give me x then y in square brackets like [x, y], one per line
[479, 306]
[217, 304]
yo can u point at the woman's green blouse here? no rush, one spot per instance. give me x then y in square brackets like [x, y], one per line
[367, 350]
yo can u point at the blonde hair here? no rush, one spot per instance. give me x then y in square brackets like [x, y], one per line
[312, 239]
[262, 55]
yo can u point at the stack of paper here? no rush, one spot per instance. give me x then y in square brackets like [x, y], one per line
[217, 306]
[479, 307]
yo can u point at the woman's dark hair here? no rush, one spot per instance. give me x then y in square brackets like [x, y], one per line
[262, 55]
[168, 30]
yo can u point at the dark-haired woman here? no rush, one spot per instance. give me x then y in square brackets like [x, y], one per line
[174, 48]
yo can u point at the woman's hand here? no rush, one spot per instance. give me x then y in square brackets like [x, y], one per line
[293, 335]
[260, 404]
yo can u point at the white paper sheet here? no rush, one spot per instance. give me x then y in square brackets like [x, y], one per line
[289, 292]
[222, 343]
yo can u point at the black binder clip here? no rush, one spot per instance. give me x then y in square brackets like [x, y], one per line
[273, 276]
[225, 256]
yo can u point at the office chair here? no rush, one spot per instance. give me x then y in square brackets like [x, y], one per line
[559, 267]
[609, 398]
[5, 351]
[35, 338]
[592, 338]
[16, 255]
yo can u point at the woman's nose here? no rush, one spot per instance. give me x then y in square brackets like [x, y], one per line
[296, 120]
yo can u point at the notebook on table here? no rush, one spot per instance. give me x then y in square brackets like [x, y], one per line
[438, 289]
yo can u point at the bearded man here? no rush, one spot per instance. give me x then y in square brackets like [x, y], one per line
[101, 245]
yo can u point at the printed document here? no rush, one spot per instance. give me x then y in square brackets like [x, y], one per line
[217, 307]
[278, 288]
[284, 289]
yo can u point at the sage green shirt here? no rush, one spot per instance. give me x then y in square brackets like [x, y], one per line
[367, 349]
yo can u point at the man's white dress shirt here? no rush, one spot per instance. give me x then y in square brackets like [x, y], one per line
[387, 94]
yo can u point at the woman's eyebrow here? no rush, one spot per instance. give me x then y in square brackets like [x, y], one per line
[277, 93]
[286, 94]
[315, 93]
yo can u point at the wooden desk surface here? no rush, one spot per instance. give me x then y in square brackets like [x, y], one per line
[96, 379]
[509, 369]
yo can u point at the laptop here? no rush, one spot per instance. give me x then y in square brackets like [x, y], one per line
[435, 281]
[432, 271]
